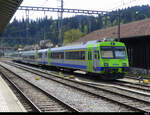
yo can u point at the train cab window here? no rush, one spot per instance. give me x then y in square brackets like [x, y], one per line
[113, 52]
[119, 52]
[107, 52]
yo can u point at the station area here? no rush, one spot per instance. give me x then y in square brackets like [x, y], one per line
[121, 92]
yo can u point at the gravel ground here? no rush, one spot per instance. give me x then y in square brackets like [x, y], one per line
[80, 100]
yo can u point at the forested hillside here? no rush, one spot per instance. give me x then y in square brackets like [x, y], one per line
[73, 28]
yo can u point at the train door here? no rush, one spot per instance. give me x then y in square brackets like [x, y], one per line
[95, 59]
[48, 54]
[44, 58]
[36, 57]
[90, 58]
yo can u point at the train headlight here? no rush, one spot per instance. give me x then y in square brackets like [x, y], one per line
[124, 64]
[106, 64]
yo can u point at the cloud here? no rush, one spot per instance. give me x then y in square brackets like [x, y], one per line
[104, 5]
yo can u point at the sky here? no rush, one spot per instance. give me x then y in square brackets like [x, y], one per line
[101, 5]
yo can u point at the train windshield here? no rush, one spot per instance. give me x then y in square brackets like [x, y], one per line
[119, 52]
[110, 52]
[107, 52]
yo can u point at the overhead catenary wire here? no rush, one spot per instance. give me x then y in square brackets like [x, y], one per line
[43, 4]
[125, 4]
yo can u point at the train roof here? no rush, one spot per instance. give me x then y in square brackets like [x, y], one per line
[28, 52]
[71, 47]
[42, 50]
[79, 46]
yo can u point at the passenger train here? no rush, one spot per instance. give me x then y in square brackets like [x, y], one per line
[105, 59]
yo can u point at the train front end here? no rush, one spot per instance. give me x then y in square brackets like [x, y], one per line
[113, 59]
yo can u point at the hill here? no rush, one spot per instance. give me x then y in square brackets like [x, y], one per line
[48, 29]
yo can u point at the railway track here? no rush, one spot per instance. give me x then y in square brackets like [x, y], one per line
[38, 99]
[140, 87]
[101, 91]
[28, 105]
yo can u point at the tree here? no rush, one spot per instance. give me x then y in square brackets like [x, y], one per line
[86, 29]
[72, 35]
[49, 28]
[54, 33]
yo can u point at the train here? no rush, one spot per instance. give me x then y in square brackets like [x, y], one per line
[106, 59]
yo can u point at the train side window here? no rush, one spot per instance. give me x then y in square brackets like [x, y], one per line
[62, 55]
[57, 55]
[75, 55]
[43, 54]
[51, 55]
[40, 55]
[83, 55]
[46, 54]
[32, 57]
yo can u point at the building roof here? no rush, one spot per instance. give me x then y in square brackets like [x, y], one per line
[7, 10]
[133, 29]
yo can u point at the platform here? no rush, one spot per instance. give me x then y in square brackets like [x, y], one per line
[129, 80]
[8, 101]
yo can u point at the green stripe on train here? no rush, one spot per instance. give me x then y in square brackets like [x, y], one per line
[49, 56]
[90, 58]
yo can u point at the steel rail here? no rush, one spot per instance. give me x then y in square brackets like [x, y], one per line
[111, 92]
[45, 92]
[33, 106]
